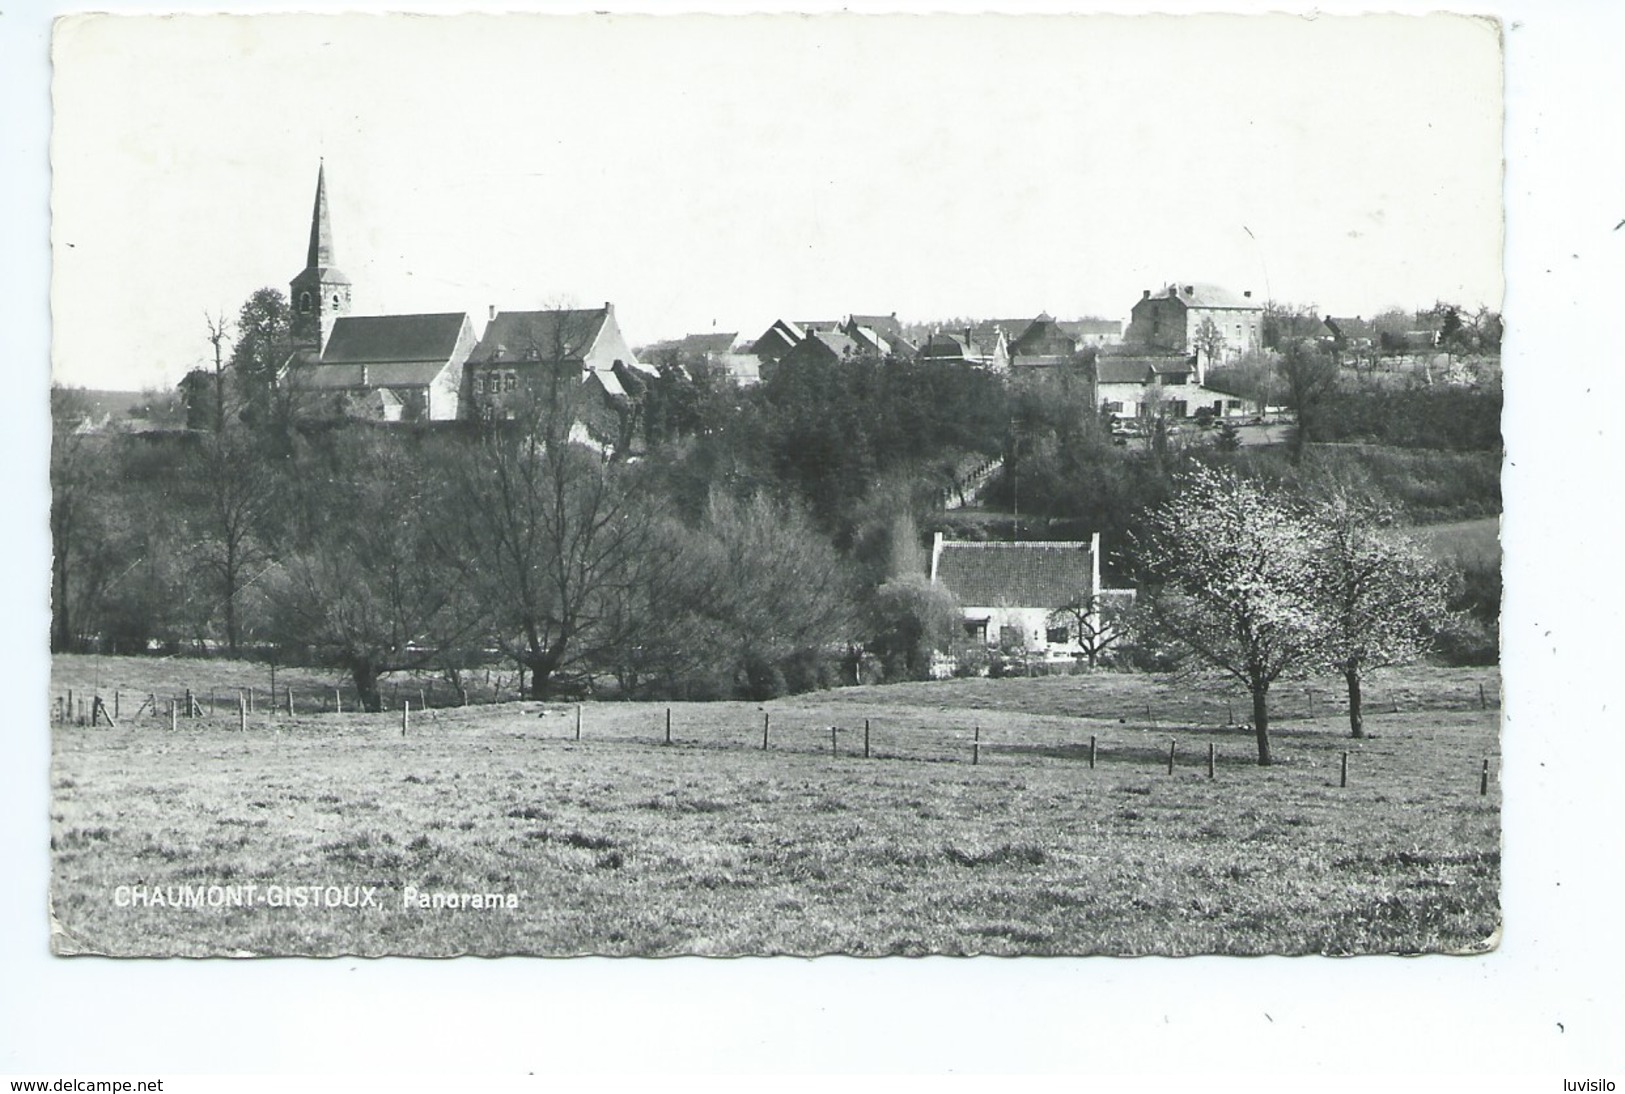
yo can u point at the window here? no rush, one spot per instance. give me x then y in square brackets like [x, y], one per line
[1057, 636]
[479, 385]
[304, 303]
[1114, 406]
[510, 381]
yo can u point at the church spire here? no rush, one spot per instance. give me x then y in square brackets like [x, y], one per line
[321, 292]
[321, 230]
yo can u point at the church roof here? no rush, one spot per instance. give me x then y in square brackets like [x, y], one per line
[373, 339]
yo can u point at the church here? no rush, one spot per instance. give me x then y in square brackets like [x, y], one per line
[433, 367]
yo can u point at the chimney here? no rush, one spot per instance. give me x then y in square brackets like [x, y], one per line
[491, 312]
[1190, 290]
[1145, 294]
[609, 309]
[1248, 293]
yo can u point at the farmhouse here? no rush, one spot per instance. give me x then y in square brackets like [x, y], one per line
[1144, 385]
[1037, 596]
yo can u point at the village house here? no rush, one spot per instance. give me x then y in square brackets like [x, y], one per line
[1044, 343]
[1031, 595]
[870, 336]
[1141, 385]
[1093, 332]
[528, 360]
[1171, 320]
[984, 346]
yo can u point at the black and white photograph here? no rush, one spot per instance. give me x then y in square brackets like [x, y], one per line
[927, 487]
[656, 492]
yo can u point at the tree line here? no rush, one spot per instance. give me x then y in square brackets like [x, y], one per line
[737, 542]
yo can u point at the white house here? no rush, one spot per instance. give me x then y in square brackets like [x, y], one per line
[1014, 595]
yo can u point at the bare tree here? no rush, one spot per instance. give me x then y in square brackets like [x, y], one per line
[1096, 623]
[1210, 341]
[553, 532]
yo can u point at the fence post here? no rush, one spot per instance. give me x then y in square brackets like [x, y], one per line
[976, 747]
[866, 738]
[115, 702]
[668, 725]
[765, 717]
[290, 702]
[172, 725]
[1484, 778]
[1210, 759]
[242, 714]
[832, 748]
[578, 721]
[189, 702]
[1343, 780]
[406, 714]
[338, 701]
[423, 700]
[69, 717]
[1171, 744]
[1091, 752]
[1229, 711]
[1483, 704]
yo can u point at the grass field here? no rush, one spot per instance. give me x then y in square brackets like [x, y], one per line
[619, 844]
[1466, 541]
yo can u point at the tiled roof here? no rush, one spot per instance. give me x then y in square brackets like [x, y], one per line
[379, 338]
[1199, 295]
[1137, 368]
[1090, 328]
[1043, 337]
[1021, 575]
[708, 343]
[560, 335]
[885, 324]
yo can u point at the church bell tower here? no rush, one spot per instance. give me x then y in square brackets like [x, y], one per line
[321, 293]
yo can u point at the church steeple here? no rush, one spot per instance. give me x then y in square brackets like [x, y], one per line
[321, 231]
[321, 292]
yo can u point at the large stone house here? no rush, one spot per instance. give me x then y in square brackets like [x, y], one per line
[1027, 595]
[528, 361]
[1172, 320]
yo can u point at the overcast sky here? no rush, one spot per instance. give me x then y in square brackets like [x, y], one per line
[719, 172]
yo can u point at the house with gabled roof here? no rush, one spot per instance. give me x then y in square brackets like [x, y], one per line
[1093, 332]
[1139, 385]
[984, 345]
[1014, 595]
[524, 356]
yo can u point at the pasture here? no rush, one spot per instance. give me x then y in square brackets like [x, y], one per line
[618, 843]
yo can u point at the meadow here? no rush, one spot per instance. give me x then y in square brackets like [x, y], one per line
[982, 820]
